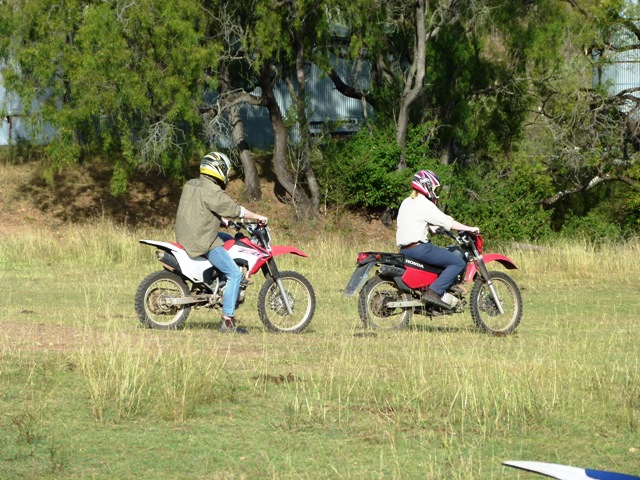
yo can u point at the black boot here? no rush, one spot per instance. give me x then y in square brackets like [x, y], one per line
[432, 297]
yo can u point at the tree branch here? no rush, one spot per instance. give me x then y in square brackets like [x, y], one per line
[595, 181]
[348, 90]
[233, 99]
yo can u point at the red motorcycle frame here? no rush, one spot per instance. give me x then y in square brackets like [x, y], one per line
[390, 298]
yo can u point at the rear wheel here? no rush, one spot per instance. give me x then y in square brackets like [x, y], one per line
[272, 308]
[372, 305]
[484, 310]
[152, 301]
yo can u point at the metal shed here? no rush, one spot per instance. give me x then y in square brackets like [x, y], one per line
[623, 70]
[327, 106]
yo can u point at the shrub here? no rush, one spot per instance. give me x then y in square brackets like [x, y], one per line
[503, 203]
[362, 172]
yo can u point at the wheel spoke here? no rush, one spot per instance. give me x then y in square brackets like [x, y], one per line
[158, 306]
[300, 297]
[154, 304]
[485, 311]
[373, 301]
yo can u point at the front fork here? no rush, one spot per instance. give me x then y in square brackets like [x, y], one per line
[484, 271]
[275, 273]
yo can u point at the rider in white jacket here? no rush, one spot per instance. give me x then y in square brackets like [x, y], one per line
[418, 214]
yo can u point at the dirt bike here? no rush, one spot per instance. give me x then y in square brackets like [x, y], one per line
[390, 298]
[286, 301]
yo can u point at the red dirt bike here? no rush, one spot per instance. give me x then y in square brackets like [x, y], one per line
[390, 298]
[286, 302]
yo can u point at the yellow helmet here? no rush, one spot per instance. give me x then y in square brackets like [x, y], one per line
[216, 165]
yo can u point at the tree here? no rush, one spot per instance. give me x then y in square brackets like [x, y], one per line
[122, 78]
[394, 38]
[235, 83]
[267, 42]
[433, 67]
[287, 36]
[593, 135]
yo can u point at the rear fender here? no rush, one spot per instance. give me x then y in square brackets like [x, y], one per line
[192, 268]
[358, 279]
[165, 246]
[472, 268]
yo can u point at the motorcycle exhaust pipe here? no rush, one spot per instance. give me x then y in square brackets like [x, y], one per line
[167, 261]
[390, 271]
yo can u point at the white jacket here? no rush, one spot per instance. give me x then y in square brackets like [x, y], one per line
[415, 216]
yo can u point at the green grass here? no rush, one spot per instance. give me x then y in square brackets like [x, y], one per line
[85, 392]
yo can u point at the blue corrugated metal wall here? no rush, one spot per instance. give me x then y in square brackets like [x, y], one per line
[624, 71]
[12, 127]
[326, 105]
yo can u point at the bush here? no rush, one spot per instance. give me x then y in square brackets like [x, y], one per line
[592, 226]
[361, 172]
[503, 203]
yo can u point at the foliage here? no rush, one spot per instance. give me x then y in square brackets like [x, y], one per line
[504, 204]
[595, 226]
[478, 107]
[586, 131]
[362, 172]
[514, 98]
[124, 80]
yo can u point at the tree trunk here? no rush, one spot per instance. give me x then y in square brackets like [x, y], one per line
[303, 121]
[301, 201]
[412, 91]
[413, 83]
[446, 157]
[251, 179]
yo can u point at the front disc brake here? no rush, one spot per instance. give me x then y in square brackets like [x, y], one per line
[277, 304]
[488, 305]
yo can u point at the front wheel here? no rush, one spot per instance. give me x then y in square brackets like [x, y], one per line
[273, 310]
[484, 310]
[153, 301]
[372, 305]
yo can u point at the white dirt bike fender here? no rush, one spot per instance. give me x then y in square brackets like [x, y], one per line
[192, 268]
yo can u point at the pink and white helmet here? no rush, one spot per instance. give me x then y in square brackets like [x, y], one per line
[426, 182]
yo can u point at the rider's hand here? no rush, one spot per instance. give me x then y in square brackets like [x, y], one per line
[475, 230]
[262, 219]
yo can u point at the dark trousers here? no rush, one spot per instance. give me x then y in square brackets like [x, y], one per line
[438, 257]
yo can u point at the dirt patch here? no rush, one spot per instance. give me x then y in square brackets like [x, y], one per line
[81, 194]
[23, 336]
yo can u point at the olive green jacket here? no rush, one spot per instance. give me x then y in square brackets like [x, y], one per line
[202, 204]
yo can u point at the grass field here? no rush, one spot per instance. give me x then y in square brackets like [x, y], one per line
[85, 392]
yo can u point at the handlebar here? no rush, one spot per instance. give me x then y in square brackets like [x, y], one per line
[246, 225]
[463, 237]
[256, 229]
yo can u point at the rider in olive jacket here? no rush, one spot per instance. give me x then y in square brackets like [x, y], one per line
[203, 207]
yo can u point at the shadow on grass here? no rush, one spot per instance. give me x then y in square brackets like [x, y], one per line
[422, 328]
[212, 325]
[436, 328]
